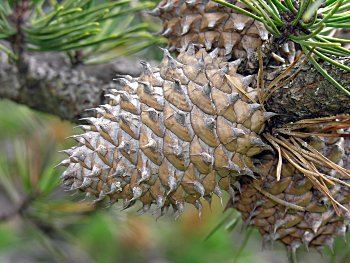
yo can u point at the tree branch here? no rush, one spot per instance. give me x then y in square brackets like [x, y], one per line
[19, 209]
[310, 95]
[51, 84]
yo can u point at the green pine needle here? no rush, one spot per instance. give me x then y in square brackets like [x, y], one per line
[222, 222]
[290, 6]
[95, 28]
[313, 34]
[338, 40]
[328, 77]
[8, 52]
[247, 236]
[302, 6]
[312, 10]
[330, 14]
[238, 9]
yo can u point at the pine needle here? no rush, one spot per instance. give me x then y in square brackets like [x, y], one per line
[239, 87]
[278, 200]
[325, 127]
[243, 245]
[290, 78]
[219, 225]
[260, 82]
[269, 90]
[289, 143]
[276, 146]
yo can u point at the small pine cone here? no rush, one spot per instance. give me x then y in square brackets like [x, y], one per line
[175, 135]
[316, 224]
[212, 25]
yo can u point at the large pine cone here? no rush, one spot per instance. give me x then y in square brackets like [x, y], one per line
[175, 135]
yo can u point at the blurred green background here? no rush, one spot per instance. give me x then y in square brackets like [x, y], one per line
[40, 222]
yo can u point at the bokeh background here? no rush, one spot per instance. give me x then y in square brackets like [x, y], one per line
[41, 222]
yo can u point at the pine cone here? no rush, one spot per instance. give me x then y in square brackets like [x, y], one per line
[172, 136]
[305, 216]
[211, 25]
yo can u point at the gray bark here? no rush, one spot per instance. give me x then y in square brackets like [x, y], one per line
[310, 95]
[51, 84]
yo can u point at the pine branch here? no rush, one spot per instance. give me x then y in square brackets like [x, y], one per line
[20, 209]
[311, 95]
[52, 85]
